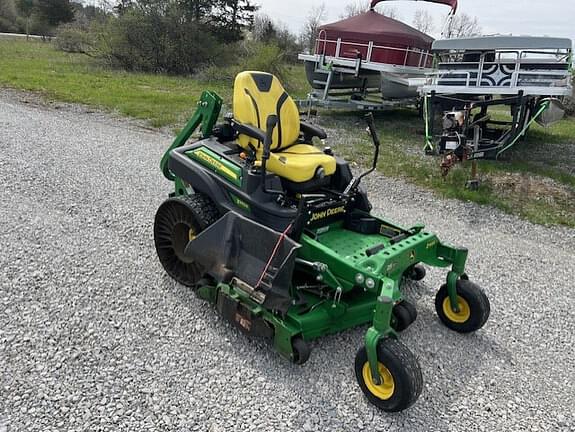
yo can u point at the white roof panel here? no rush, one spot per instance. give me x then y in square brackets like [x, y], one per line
[502, 43]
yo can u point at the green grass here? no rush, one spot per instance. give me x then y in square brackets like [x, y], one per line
[560, 133]
[168, 101]
[162, 100]
[401, 155]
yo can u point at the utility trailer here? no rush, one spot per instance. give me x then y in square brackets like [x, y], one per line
[477, 77]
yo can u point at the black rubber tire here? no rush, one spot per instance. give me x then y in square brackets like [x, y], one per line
[416, 273]
[404, 314]
[404, 369]
[411, 308]
[173, 221]
[301, 350]
[479, 307]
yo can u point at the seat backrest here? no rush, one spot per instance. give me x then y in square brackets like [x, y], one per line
[258, 95]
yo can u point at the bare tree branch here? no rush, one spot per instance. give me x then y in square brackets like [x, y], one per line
[390, 12]
[354, 9]
[463, 25]
[311, 27]
[423, 21]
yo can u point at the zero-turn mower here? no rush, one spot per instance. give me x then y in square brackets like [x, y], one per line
[278, 235]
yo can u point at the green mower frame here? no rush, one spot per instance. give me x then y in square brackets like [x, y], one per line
[347, 266]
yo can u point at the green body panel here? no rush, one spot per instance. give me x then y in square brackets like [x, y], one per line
[218, 164]
[206, 116]
[344, 253]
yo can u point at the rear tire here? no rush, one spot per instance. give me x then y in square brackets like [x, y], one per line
[177, 222]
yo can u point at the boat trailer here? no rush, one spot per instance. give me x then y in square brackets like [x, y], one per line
[487, 92]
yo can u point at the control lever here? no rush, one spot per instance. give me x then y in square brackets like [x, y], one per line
[352, 186]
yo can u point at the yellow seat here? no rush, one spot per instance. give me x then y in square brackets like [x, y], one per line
[258, 95]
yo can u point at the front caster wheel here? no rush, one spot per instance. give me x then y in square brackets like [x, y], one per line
[473, 305]
[301, 350]
[401, 379]
[403, 315]
[415, 273]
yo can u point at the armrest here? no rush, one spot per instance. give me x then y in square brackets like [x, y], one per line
[310, 131]
[249, 130]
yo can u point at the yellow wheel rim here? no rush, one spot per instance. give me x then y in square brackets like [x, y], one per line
[383, 391]
[457, 317]
[191, 234]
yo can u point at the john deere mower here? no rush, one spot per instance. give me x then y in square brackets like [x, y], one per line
[278, 235]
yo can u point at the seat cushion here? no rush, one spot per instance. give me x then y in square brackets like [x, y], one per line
[258, 95]
[299, 163]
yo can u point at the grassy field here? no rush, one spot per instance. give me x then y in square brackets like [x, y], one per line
[537, 182]
[539, 189]
[160, 99]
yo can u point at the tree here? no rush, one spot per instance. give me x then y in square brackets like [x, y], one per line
[26, 8]
[356, 8]
[123, 6]
[311, 27]
[390, 12]
[231, 17]
[361, 6]
[8, 16]
[195, 9]
[264, 29]
[54, 12]
[423, 21]
[173, 36]
[461, 26]
[86, 15]
[288, 43]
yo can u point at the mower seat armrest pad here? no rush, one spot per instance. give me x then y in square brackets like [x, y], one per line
[249, 130]
[311, 131]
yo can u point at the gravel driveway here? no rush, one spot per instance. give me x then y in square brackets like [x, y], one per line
[94, 336]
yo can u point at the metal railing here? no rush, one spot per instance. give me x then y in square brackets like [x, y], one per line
[424, 55]
[542, 76]
[523, 66]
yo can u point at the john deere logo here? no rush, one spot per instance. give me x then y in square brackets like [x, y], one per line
[412, 255]
[216, 164]
[327, 213]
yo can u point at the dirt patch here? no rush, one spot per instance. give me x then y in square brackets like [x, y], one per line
[524, 186]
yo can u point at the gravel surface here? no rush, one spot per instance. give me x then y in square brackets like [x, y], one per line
[94, 336]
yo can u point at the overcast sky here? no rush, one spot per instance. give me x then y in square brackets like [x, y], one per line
[519, 17]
